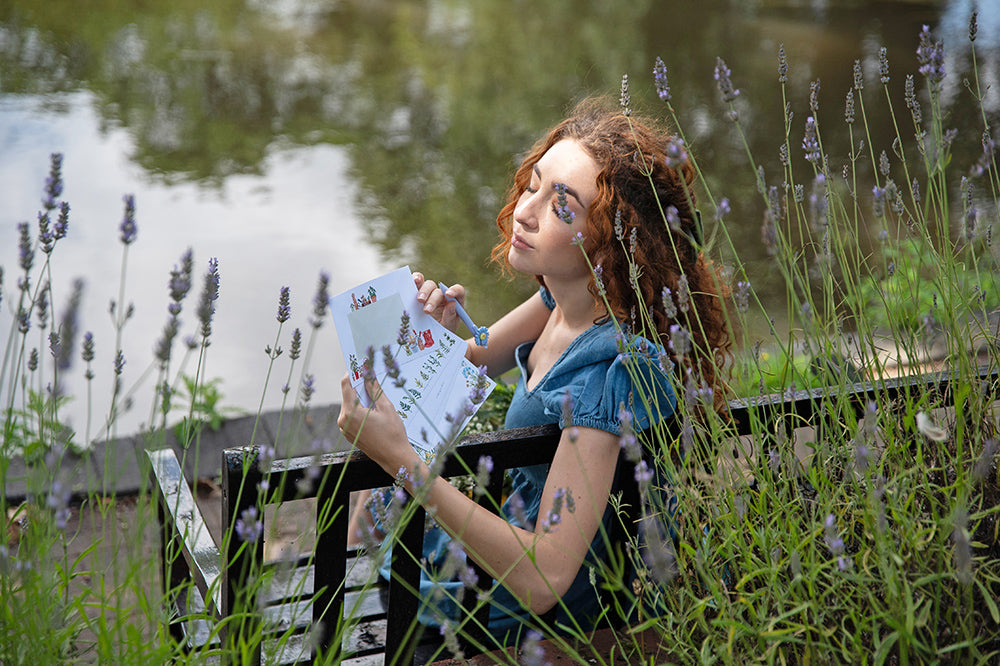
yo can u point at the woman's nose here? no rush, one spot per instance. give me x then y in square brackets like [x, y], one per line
[524, 211]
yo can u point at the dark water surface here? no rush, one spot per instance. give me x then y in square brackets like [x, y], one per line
[294, 137]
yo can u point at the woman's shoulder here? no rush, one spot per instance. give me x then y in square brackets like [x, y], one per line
[603, 370]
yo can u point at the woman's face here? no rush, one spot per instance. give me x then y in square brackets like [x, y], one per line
[542, 243]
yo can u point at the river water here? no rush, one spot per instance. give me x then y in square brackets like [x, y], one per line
[305, 136]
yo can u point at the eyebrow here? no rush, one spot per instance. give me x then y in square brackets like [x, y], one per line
[569, 190]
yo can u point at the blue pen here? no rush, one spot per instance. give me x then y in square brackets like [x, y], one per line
[480, 334]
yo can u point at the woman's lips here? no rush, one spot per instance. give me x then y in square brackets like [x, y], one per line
[519, 242]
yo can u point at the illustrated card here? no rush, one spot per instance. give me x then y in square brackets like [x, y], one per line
[382, 323]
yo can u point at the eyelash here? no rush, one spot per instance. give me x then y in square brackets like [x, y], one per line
[555, 208]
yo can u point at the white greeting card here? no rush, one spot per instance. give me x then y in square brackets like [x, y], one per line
[435, 383]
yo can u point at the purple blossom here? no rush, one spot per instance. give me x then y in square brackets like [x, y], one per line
[675, 152]
[248, 528]
[46, 239]
[295, 349]
[643, 474]
[722, 209]
[128, 227]
[209, 294]
[657, 551]
[660, 80]
[683, 293]
[782, 65]
[673, 218]
[883, 65]
[284, 309]
[849, 108]
[562, 205]
[680, 340]
[627, 440]
[306, 389]
[859, 78]
[62, 222]
[532, 653]
[625, 99]
[741, 296]
[668, 303]
[26, 255]
[810, 143]
[724, 82]
[930, 57]
[53, 183]
[180, 281]
[321, 300]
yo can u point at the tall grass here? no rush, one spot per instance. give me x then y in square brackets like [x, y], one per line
[874, 539]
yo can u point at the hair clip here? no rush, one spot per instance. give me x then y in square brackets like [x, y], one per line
[480, 334]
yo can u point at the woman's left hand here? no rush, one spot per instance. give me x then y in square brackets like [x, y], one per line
[377, 430]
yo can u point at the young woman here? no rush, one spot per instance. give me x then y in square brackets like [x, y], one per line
[600, 182]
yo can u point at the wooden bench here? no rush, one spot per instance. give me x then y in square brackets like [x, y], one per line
[309, 599]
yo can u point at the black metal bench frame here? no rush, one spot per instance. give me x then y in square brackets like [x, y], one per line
[190, 554]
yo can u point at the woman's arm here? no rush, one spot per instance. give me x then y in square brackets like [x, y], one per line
[537, 567]
[522, 324]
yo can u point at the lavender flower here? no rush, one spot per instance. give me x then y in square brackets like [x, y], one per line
[295, 349]
[562, 204]
[284, 309]
[532, 653]
[878, 201]
[69, 325]
[88, 353]
[628, 442]
[306, 390]
[722, 209]
[814, 96]
[26, 254]
[625, 99]
[643, 475]
[912, 103]
[657, 551]
[660, 80]
[782, 65]
[741, 296]
[54, 183]
[209, 294]
[46, 239]
[619, 229]
[180, 281]
[973, 26]
[668, 303]
[676, 153]
[984, 463]
[33, 360]
[673, 218]
[834, 541]
[478, 392]
[724, 82]
[321, 300]
[128, 227]
[883, 65]
[930, 56]
[248, 528]
[57, 500]
[683, 293]
[963, 546]
[62, 222]
[859, 78]
[810, 142]
[483, 470]
[680, 340]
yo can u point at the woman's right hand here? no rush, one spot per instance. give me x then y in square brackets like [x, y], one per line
[436, 304]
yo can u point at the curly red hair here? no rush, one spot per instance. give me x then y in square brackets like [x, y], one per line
[636, 186]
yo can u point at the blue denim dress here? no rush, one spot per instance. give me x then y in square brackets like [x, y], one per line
[598, 379]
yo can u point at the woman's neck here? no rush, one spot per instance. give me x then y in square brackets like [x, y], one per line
[575, 304]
